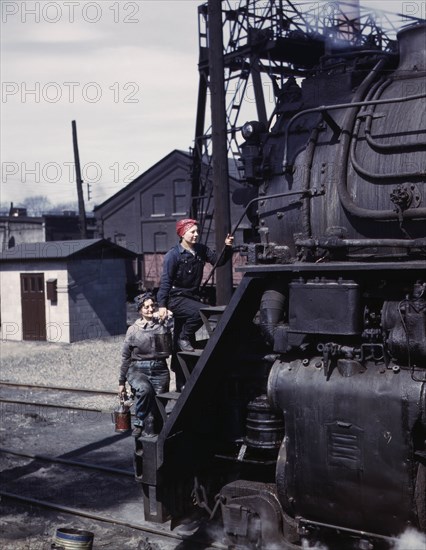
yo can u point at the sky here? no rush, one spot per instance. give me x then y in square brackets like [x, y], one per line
[125, 71]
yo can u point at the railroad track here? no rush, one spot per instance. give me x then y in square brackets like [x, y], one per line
[58, 396]
[162, 535]
[52, 405]
[59, 460]
[82, 469]
[57, 388]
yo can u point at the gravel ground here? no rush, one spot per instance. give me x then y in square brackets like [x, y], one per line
[86, 364]
[90, 364]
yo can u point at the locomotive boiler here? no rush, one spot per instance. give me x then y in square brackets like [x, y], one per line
[303, 419]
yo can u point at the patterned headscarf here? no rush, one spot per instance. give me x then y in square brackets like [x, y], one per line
[142, 298]
[182, 226]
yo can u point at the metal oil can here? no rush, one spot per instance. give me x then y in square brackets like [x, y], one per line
[121, 417]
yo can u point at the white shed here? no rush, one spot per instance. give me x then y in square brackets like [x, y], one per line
[63, 291]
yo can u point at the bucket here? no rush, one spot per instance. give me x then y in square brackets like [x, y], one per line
[163, 344]
[73, 539]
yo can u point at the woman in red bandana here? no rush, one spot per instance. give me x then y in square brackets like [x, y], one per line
[181, 279]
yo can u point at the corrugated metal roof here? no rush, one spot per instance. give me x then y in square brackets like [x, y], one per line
[59, 250]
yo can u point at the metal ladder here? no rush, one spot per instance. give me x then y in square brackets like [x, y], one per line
[188, 359]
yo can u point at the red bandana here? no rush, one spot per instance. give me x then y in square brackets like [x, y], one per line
[182, 226]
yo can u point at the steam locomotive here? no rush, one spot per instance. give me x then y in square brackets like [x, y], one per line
[303, 419]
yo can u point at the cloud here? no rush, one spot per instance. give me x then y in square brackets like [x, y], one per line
[129, 79]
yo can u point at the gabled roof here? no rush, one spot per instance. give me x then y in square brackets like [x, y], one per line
[54, 250]
[234, 176]
[137, 181]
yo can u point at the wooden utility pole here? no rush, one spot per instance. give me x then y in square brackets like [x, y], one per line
[81, 209]
[197, 157]
[222, 215]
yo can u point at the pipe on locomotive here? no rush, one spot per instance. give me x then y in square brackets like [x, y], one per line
[396, 147]
[271, 310]
[324, 108]
[303, 192]
[348, 123]
[336, 242]
[347, 202]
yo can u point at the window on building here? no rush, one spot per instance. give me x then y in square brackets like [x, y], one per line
[160, 242]
[120, 239]
[158, 205]
[180, 200]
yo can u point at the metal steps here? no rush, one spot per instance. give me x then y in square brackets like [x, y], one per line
[166, 402]
[188, 359]
[210, 316]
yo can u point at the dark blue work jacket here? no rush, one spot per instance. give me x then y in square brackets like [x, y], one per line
[183, 271]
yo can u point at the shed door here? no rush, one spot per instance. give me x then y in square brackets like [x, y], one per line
[33, 306]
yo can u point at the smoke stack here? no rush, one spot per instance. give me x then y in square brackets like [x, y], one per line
[412, 48]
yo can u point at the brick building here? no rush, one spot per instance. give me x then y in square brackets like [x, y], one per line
[142, 216]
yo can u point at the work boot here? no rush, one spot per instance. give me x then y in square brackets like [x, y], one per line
[137, 430]
[185, 345]
[148, 427]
